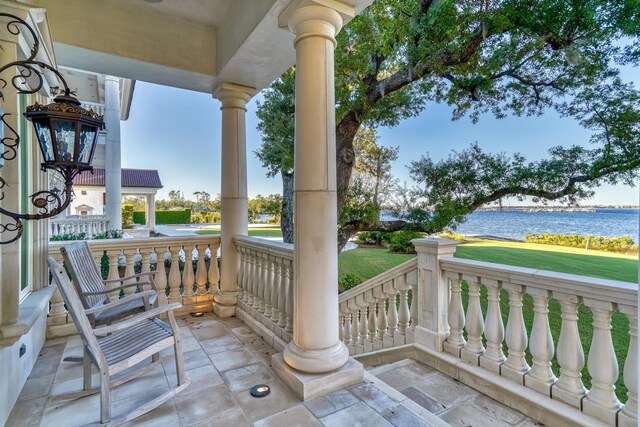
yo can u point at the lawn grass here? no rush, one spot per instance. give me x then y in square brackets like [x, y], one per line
[253, 231]
[372, 261]
[368, 262]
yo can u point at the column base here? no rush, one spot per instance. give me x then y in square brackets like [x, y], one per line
[224, 304]
[316, 361]
[430, 339]
[310, 386]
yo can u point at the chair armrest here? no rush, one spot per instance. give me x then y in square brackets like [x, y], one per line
[108, 291]
[132, 321]
[118, 302]
[135, 276]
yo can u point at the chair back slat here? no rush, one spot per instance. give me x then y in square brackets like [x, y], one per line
[85, 274]
[74, 306]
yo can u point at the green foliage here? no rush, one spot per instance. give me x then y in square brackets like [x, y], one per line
[127, 216]
[379, 238]
[200, 217]
[271, 205]
[174, 217]
[139, 217]
[348, 281]
[623, 245]
[400, 241]
[67, 237]
[109, 234]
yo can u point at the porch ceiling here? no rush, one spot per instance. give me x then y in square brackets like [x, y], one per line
[190, 44]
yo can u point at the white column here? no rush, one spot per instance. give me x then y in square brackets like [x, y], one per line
[316, 347]
[113, 163]
[233, 215]
[150, 213]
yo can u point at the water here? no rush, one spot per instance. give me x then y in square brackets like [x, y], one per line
[516, 225]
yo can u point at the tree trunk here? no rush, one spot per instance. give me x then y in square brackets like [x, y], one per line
[345, 157]
[286, 219]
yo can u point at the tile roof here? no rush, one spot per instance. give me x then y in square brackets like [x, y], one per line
[148, 178]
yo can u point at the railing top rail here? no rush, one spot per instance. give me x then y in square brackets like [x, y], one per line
[146, 242]
[81, 218]
[625, 293]
[284, 250]
[381, 278]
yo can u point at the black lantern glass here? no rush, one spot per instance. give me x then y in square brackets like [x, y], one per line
[66, 132]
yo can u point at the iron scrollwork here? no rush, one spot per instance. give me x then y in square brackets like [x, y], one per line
[47, 203]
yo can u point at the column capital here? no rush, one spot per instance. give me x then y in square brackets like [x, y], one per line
[233, 95]
[315, 19]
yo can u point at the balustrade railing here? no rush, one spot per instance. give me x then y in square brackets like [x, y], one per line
[524, 353]
[187, 269]
[90, 225]
[378, 313]
[97, 108]
[265, 283]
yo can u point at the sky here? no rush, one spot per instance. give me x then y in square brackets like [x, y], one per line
[178, 133]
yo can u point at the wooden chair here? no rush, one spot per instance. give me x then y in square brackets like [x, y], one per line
[93, 291]
[117, 347]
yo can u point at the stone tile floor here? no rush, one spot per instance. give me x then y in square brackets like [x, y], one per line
[224, 358]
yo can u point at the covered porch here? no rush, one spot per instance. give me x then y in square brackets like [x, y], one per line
[272, 311]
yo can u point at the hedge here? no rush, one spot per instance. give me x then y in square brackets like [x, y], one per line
[624, 245]
[165, 217]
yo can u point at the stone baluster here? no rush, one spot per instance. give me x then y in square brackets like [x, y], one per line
[516, 366]
[345, 334]
[246, 278]
[381, 313]
[129, 271]
[188, 278]
[392, 315]
[262, 283]
[455, 316]
[601, 401]
[289, 327]
[268, 286]
[113, 255]
[174, 274]
[569, 388]
[251, 274]
[275, 289]
[201, 273]
[412, 279]
[403, 312]
[282, 294]
[213, 275]
[161, 276]
[371, 321]
[145, 254]
[540, 376]
[628, 416]
[355, 326]
[241, 272]
[362, 327]
[257, 280]
[475, 323]
[493, 356]
[57, 311]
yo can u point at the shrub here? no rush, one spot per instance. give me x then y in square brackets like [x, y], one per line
[624, 245]
[109, 234]
[127, 216]
[69, 236]
[348, 281]
[401, 241]
[174, 217]
[379, 238]
[139, 217]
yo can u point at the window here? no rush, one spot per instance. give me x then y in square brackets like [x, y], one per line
[83, 213]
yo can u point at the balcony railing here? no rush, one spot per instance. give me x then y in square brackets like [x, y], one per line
[265, 281]
[188, 271]
[379, 313]
[97, 108]
[90, 225]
